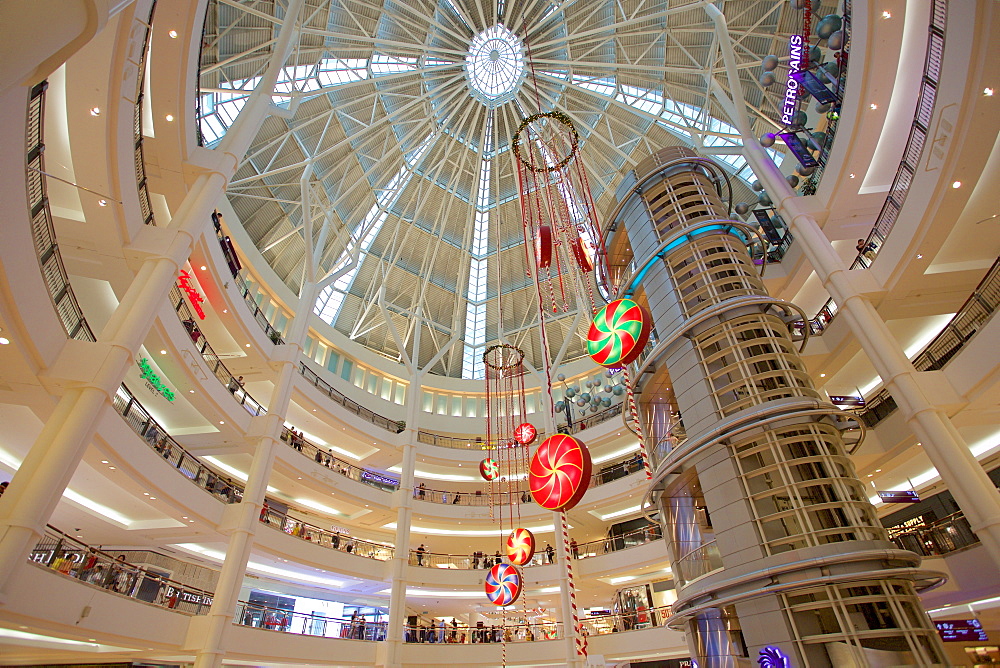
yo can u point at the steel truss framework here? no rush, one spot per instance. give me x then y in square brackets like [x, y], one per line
[380, 136]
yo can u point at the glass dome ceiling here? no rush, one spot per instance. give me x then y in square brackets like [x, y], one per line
[394, 128]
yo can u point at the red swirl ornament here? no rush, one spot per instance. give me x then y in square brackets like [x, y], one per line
[525, 433]
[520, 546]
[559, 473]
[618, 333]
[489, 469]
[503, 584]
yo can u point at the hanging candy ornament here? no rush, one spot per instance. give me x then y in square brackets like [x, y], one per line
[525, 433]
[488, 469]
[543, 247]
[560, 472]
[618, 333]
[503, 584]
[520, 546]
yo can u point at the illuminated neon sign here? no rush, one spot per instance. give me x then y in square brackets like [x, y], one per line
[153, 380]
[184, 283]
[791, 103]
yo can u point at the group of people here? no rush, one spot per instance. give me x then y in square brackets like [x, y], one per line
[457, 498]
[442, 632]
[115, 575]
[297, 440]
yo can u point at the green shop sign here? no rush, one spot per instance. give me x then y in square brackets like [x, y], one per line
[153, 380]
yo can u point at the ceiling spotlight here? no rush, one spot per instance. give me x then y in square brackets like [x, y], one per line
[102, 202]
[172, 34]
[248, 345]
[4, 340]
[169, 117]
[191, 391]
[822, 375]
[225, 310]
[222, 422]
[95, 111]
[852, 175]
[104, 461]
[956, 184]
[112, 468]
[873, 106]
[886, 15]
[203, 267]
[988, 92]
[919, 256]
[163, 352]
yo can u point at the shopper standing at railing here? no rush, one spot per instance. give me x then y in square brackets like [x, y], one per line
[420, 554]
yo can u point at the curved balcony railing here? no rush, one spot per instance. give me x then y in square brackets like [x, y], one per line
[330, 461]
[395, 426]
[42, 231]
[138, 418]
[97, 568]
[140, 161]
[481, 498]
[697, 563]
[210, 357]
[970, 318]
[462, 634]
[333, 540]
[945, 536]
[260, 616]
[234, 266]
[480, 560]
[635, 620]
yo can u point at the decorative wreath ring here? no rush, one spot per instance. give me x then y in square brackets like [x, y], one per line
[501, 349]
[556, 116]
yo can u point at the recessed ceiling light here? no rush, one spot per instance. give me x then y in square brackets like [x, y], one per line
[222, 422]
[988, 92]
[95, 111]
[163, 352]
[191, 391]
[822, 375]
[172, 33]
[203, 267]
[145, 493]
[919, 256]
[886, 15]
[184, 517]
[873, 106]
[112, 468]
[169, 117]
[956, 184]
[4, 340]
[851, 175]
[152, 498]
[104, 461]
[225, 310]
[248, 345]
[102, 202]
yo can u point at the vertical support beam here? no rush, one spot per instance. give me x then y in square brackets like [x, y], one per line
[396, 632]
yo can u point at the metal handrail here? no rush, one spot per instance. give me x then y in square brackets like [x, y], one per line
[974, 313]
[138, 157]
[258, 315]
[329, 460]
[42, 230]
[333, 540]
[210, 357]
[156, 437]
[463, 634]
[259, 616]
[395, 426]
[73, 558]
[947, 535]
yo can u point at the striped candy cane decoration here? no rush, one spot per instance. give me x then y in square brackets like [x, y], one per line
[579, 639]
[637, 426]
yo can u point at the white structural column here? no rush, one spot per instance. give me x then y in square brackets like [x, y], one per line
[242, 520]
[37, 486]
[961, 472]
[396, 632]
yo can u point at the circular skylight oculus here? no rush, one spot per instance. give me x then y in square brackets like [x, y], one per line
[495, 65]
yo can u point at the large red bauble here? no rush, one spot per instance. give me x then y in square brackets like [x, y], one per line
[525, 433]
[560, 472]
[520, 546]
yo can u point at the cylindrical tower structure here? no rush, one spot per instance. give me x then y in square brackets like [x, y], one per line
[777, 554]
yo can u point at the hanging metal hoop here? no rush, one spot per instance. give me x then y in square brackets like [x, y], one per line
[503, 357]
[556, 116]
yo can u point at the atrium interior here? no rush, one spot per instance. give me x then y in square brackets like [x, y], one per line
[261, 259]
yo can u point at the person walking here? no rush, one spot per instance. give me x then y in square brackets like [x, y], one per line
[420, 554]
